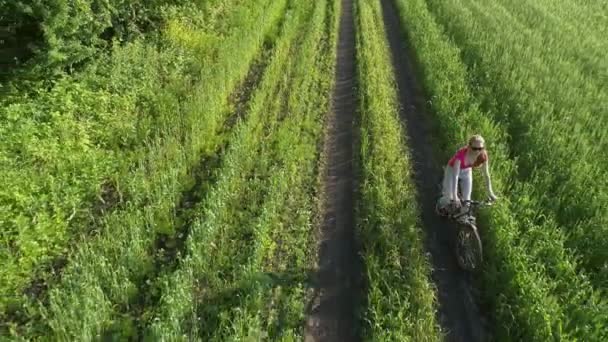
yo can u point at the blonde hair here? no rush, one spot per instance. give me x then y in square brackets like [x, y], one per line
[477, 138]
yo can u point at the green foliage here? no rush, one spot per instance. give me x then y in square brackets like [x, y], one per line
[96, 163]
[65, 152]
[65, 33]
[127, 245]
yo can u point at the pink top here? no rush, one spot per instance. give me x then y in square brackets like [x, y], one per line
[462, 154]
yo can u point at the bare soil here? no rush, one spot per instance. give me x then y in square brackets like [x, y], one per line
[459, 313]
[331, 314]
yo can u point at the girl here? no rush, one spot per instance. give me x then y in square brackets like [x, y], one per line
[460, 168]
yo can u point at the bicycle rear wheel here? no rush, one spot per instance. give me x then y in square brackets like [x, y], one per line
[468, 248]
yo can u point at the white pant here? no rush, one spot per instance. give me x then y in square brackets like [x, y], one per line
[466, 182]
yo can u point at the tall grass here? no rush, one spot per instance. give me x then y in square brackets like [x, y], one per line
[529, 280]
[550, 112]
[200, 300]
[549, 23]
[70, 148]
[401, 299]
[105, 271]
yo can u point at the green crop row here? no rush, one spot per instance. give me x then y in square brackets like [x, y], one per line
[529, 280]
[260, 205]
[105, 270]
[551, 113]
[273, 286]
[401, 298]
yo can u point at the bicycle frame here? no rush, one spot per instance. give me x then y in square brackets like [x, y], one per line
[467, 217]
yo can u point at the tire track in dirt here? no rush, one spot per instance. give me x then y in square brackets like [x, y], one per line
[331, 314]
[458, 313]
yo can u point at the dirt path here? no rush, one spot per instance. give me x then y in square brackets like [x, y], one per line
[331, 313]
[458, 312]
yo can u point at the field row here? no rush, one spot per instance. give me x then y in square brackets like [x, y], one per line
[401, 300]
[250, 253]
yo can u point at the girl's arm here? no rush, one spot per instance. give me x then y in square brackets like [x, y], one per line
[486, 173]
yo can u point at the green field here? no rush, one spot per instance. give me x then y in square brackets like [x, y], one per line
[163, 167]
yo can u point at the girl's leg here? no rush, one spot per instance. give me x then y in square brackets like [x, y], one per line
[447, 182]
[466, 184]
[444, 200]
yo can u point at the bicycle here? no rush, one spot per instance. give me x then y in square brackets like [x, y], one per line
[469, 250]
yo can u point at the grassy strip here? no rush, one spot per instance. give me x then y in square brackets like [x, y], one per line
[559, 36]
[401, 298]
[220, 248]
[273, 306]
[551, 72]
[538, 125]
[589, 14]
[105, 271]
[529, 281]
[70, 149]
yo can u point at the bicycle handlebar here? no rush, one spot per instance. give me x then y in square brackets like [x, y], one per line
[472, 204]
[479, 203]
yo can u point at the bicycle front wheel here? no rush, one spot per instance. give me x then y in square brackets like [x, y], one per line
[468, 248]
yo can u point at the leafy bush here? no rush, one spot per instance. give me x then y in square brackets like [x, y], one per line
[62, 33]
